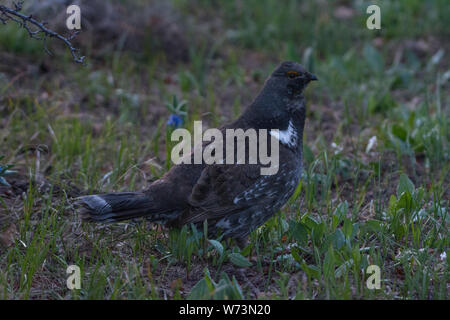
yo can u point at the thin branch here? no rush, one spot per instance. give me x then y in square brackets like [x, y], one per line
[41, 33]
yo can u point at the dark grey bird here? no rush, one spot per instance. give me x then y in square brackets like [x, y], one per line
[235, 199]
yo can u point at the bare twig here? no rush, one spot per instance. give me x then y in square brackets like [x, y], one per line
[41, 32]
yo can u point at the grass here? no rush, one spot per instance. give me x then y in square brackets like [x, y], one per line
[77, 130]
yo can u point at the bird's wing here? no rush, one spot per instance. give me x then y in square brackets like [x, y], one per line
[227, 189]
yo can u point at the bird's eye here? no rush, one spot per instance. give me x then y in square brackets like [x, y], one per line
[292, 74]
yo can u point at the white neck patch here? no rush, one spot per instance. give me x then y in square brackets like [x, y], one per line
[287, 137]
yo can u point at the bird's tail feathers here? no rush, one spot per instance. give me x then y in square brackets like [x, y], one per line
[112, 207]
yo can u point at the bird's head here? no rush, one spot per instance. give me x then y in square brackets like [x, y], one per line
[291, 77]
[281, 96]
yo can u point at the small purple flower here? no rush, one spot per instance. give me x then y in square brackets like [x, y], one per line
[175, 120]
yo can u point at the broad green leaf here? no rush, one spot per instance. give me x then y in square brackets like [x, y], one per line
[217, 245]
[343, 268]
[311, 271]
[405, 201]
[284, 225]
[381, 104]
[309, 222]
[338, 239]
[318, 232]
[341, 210]
[373, 58]
[347, 229]
[200, 291]
[239, 260]
[298, 231]
[373, 225]
[399, 132]
[4, 182]
[405, 184]
[392, 202]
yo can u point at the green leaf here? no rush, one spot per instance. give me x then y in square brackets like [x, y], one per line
[309, 222]
[237, 289]
[217, 245]
[328, 263]
[378, 103]
[343, 268]
[374, 225]
[247, 250]
[338, 239]
[298, 231]
[435, 59]
[284, 225]
[296, 255]
[200, 291]
[297, 192]
[371, 226]
[347, 228]
[341, 211]
[308, 155]
[209, 281]
[239, 260]
[311, 270]
[227, 289]
[392, 203]
[405, 201]
[308, 59]
[404, 185]
[9, 172]
[318, 232]
[4, 182]
[355, 229]
[356, 254]
[373, 58]
[399, 132]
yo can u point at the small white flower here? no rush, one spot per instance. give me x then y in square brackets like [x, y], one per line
[337, 148]
[371, 144]
[292, 245]
[443, 256]
[259, 230]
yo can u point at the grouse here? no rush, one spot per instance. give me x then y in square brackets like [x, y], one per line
[234, 198]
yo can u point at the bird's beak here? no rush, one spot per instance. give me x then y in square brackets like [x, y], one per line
[312, 77]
